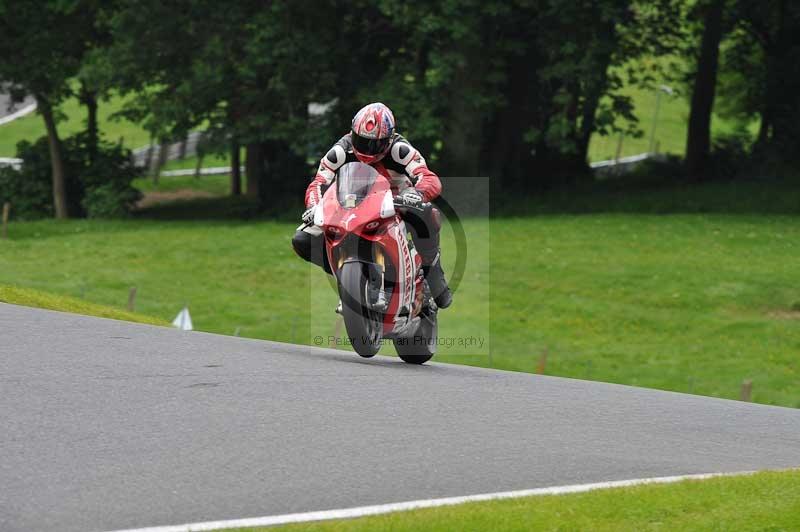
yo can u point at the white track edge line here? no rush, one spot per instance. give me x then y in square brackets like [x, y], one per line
[363, 511]
[18, 114]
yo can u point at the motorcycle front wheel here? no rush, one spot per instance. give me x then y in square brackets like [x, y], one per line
[364, 325]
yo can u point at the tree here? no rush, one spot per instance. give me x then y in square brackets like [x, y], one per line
[518, 85]
[698, 142]
[763, 45]
[247, 73]
[52, 38]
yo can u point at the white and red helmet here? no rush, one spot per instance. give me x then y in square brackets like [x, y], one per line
[372, 131]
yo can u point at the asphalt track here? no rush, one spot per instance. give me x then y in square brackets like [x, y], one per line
[108, 425]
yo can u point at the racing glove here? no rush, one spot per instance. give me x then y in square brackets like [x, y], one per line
[410, 197]
[308, 215]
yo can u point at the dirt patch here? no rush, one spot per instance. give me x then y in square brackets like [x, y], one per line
[784, 314]
[154, 198]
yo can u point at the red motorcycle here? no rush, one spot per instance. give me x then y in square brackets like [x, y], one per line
[378, 272]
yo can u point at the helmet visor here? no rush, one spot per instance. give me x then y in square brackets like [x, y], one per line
[367, 146]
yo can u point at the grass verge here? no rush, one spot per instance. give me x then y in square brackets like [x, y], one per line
[763, 501]
[35, 298]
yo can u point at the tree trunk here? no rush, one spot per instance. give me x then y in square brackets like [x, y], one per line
[148, 161]
[595, 88]
[461, 152]
[163, 152]
[89, 99]
[254, 168]
[236, 173]
[782, 85]
[698, 141]
[56, 160]
[508, 157]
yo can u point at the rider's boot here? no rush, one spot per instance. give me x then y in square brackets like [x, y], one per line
[437, 282]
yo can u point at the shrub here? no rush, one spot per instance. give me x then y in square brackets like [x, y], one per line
[99, 189]
[731, 156]
[110, 200]
[30, 198]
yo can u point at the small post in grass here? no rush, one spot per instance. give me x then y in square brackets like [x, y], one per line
[747, 390]
[132, 299]
[237, 331]
[542, 362]
[6, 213]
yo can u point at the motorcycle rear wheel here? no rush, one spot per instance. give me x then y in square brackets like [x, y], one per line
[420, 347]
[364, 325]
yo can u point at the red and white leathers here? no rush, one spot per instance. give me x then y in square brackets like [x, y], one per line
[403, 165]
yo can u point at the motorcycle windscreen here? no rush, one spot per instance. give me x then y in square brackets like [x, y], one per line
[354, 181]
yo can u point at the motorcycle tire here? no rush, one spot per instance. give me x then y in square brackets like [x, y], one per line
[364, 325]
[421, 347]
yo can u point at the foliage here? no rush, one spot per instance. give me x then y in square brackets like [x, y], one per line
[30, 199]
[50, 33]
[260, 99]
[531, 87]
[510, 89]
[730, 156]
[110, 200]
[100, 188]
[760, 74]
[30, 189]
[53, 37]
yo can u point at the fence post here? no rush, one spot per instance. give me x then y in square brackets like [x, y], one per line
[132, 299]
[542, 362]
[747, 390]
[6, 213]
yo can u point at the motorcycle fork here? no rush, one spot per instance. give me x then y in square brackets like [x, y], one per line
[380, 262]
[370, 254]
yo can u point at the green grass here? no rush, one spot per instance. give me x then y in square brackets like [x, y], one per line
[217, 185]
[765, 501]
[671, 126]
[35, 298]
[687, 302]
[31, 127]
[209, 160]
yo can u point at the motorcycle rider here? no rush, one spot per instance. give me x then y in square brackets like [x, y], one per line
[373, 140]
